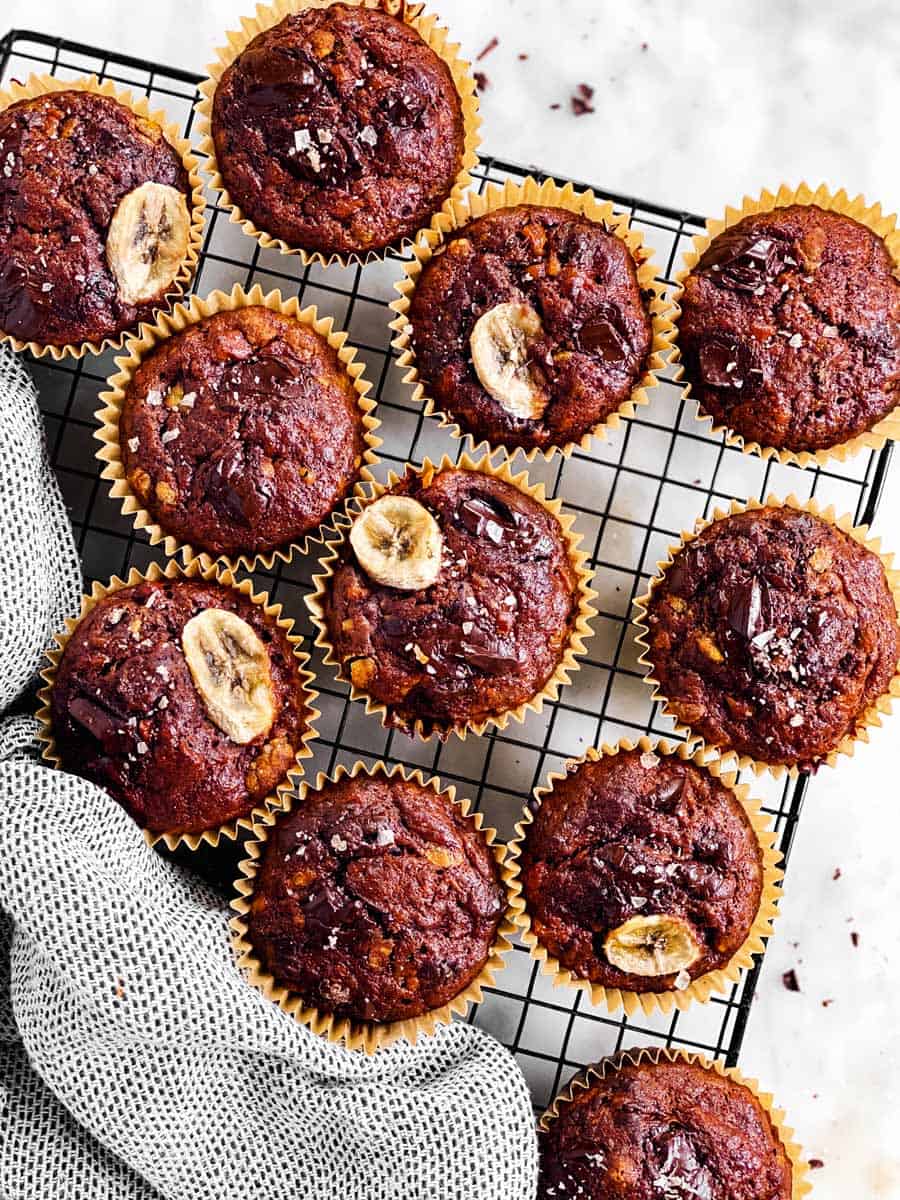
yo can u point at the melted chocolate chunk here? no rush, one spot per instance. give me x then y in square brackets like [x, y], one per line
[666, 797]
[485, 515]
[675, 1165]
[490, 658]
[326, 908]
[601, 337]
[16, 308]
[745, 610]
[720, 364]
[744, 263]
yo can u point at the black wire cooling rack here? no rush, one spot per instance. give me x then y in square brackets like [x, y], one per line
[632, 495]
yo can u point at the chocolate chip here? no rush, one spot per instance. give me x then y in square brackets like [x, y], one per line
[789, 979]
[854, 938]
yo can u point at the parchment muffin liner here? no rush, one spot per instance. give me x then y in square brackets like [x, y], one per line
[182, 316]
[209, 573]
[581, 629]
[461, 212]
[267, 15]
[869, 719]
[870, 215]
[593, 1074]
[39, 85]
[361, 1035]
[701, 988]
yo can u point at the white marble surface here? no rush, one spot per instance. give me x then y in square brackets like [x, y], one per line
[724, 99]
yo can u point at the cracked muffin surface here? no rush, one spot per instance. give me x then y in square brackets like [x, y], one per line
[67, 159]
[790, 329]
[640, 835]
[490, 631]
[243, 432]
[338, 130]
[590, 333]
[772, 633]
[126, 712]
[661, 1130]
[375, 900]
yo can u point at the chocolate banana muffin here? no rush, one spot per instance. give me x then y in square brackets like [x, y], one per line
[790, 329]
[338, 130]
[94, 218]
[664, 1129]
[772, 633]
[641, 871]
[375, 900]
[242, 433]
[529, 326]
[183, 699]
[453, 600]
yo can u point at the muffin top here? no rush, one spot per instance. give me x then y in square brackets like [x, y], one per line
[338, 130]
[183, 699]
[772, 633]
[375, 900]
[790, 329]
[660, 1130]
[641, 872]
[453, 600]
[241, 433]
[94, 218]
[529, 326]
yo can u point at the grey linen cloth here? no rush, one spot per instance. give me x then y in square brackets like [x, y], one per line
[135, 1062]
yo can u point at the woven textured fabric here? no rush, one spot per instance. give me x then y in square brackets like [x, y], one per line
[135, 1061]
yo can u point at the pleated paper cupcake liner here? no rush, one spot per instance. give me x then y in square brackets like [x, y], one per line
[870, 215]
[581, 629]
[169, 324]
[39, 85]
[210, 574]
[704, 986]
[267, 15]
[800, 1185]
[474, 205]
[361, 1035]
[869, 719]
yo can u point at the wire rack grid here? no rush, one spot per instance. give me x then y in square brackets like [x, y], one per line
[632, 494]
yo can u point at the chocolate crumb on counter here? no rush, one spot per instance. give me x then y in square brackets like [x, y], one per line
[492, 45]
[854, 938]
[375, 900]
[481, 81]
[789, 979]
[581, 100]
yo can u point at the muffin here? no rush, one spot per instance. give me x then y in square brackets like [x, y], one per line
[790, 329]
[649, 1130]
[338, 130]
[184, 699]
[529, 326]
[641, 872]
[241, 433]
[452, 601]
[771, 634]
[375, 900]
[95, 222]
